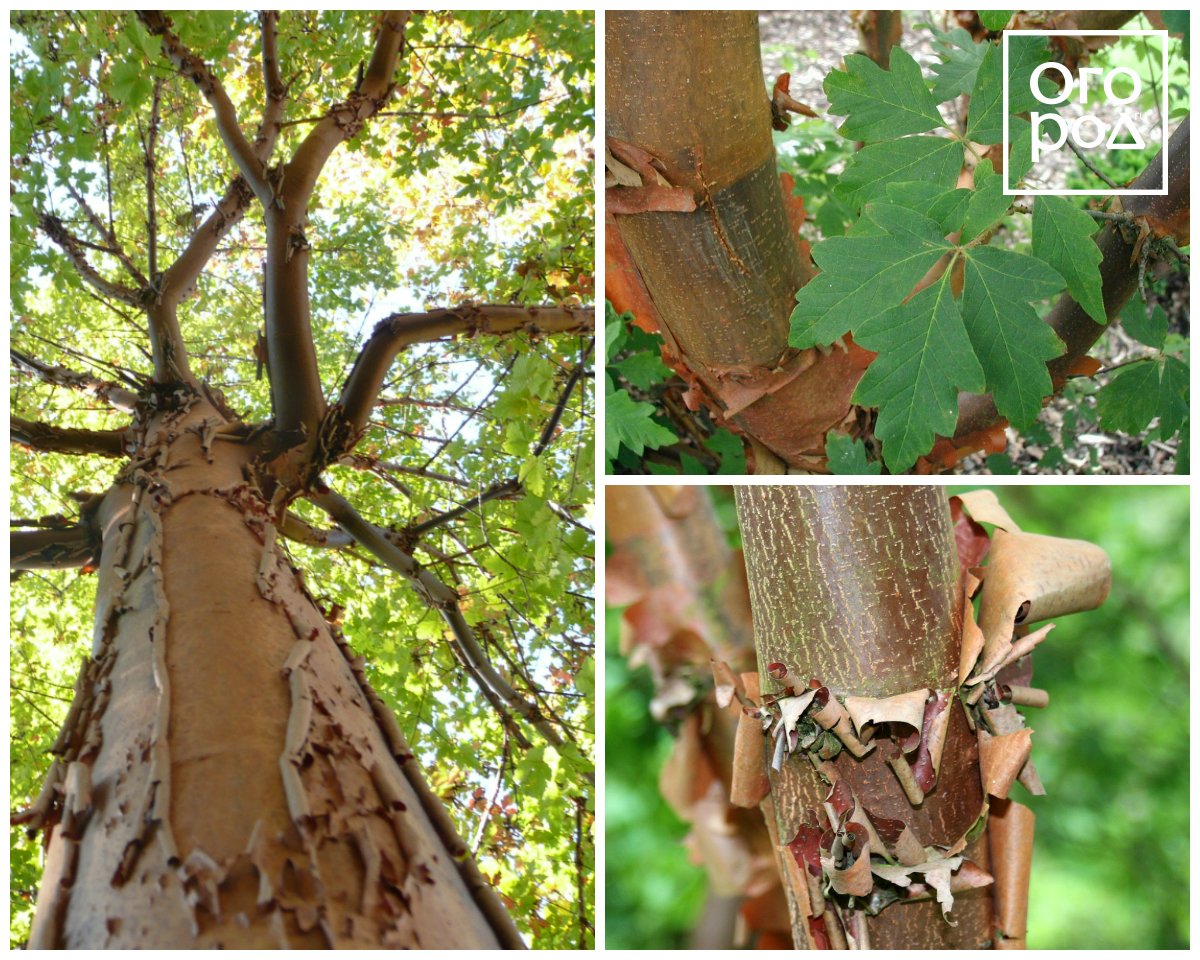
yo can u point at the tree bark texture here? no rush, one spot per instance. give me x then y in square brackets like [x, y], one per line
[721, 281]
[858, 587]
[226, 777]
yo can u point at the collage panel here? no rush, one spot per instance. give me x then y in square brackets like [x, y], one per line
[901, 716]
[897, 242]
[302, 479]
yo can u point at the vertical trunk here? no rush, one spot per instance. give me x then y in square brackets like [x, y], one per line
[858, 587]
[688, 87]
[229, 780]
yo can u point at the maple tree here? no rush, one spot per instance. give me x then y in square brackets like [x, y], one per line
[338, 691]
[935, 311]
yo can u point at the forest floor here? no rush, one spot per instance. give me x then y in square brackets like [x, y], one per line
[811, 43]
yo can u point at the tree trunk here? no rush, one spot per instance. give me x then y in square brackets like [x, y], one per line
[859, 588]
[688, 87]
[229, 778]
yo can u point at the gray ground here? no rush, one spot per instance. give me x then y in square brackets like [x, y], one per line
[813, 42]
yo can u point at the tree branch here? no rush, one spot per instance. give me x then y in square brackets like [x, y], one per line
[105, 230]
[345, 119]
[54, 229]
[296, 395]
[183, 273]
[405, 329]
[115, 396]
[52, 549]
[192, 68]
[149, 150]
[51, 439]
[438, 595]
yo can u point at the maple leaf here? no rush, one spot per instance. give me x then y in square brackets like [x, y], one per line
[1011, 341]
[1062, 237]
[1148, 329]
[867, 174]
[862, 276]
[628, 422]
[881, 104]
[1143, 391]
[847, 455]
[961, 57]
[925, 358]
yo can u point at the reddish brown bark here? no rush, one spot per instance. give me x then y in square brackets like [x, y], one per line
[859, 588]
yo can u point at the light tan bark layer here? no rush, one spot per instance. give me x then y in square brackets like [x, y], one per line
[237, 786]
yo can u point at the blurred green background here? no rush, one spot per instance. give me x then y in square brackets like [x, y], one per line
[1110, 867]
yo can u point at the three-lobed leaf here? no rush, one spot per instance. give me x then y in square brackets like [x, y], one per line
[1011, 341]
[629, 423]
[881, 104]
[1143, 391]
[862, 276]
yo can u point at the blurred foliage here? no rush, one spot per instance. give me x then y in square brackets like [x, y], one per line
[1110, 867]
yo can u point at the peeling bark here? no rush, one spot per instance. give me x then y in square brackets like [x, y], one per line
[225, 777]
[859, 588]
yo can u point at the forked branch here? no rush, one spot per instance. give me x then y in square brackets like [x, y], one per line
[192, 68]
[178, 281]
[405, 329]
[345, 119]
[296, 395]
[71, 246]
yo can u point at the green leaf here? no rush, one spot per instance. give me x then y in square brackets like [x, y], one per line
[987, 204]
[643, 370]
[863, 276]
[848, 455]
[995, 20]
[933, 159]
[130, 83]
[1012, 343]
[615, 328]
[1020, 149]
[961, 57]
[946, 207]
[985, 114]
[1062, 236]
[925, 358]
[730, 449]
[881, 104]
[1142, 391]
[1025, 54]
[1150, 330]
[533, 475]
[628, 422]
